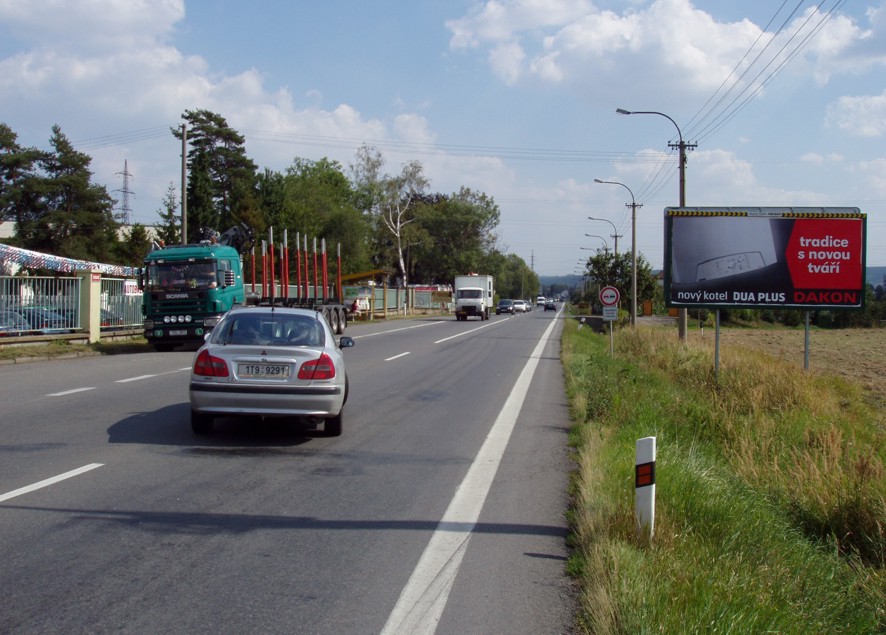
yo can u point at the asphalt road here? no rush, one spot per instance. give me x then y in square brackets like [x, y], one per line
[440, 508]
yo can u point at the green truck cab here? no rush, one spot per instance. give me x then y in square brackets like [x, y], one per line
[185, 291]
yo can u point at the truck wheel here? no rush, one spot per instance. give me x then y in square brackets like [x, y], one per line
[332, 427]
[341, 320]
[201, 423]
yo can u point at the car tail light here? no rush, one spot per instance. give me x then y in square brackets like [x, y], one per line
[322, 368]
[210, 366]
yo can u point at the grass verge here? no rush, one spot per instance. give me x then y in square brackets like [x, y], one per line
[771, 491]
[63, 348]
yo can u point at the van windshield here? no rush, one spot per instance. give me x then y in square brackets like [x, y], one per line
[470, 294]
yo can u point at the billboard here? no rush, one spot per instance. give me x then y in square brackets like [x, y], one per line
[765, 257]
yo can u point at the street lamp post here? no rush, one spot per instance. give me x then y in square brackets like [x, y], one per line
[682, 320]
[633, 205]
[605, 244]
[615, 233]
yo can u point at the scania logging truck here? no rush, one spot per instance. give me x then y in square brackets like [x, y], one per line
[186, 289]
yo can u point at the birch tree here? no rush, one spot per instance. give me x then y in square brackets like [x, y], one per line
[389, 199]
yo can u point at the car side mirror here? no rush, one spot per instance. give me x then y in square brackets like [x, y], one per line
[346, 342]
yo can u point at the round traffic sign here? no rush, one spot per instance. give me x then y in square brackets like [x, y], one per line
[609, 296]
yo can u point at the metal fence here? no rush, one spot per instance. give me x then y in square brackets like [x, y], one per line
[51, 305]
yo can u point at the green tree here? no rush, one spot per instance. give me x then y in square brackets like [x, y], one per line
[221, 185]
[169, 229]
[514, 278]
[17, 165]
[390, 199]
[135, 245]
[454, 234]
[606, 269]
[68, 215]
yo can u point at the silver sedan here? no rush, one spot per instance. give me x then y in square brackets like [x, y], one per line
[270, 362]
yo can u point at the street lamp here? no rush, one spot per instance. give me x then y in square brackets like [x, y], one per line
[615, 233]
[605, 244]
[633, 204]
[682, 320]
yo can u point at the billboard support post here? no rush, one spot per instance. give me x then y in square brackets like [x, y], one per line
[806, 344]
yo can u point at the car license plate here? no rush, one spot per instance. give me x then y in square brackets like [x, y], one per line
[178, 333]
[254, 371]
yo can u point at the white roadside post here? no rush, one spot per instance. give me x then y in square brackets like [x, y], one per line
[644, 487]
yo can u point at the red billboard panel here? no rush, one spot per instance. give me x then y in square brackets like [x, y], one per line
[765, 257]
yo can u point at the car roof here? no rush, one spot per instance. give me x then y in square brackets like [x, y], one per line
[268, 309]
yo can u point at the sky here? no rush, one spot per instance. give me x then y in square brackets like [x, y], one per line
[784, 102]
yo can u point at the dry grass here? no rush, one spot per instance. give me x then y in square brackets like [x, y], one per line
[858, 355]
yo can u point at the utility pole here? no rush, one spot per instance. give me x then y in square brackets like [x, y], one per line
[682, 314]
[184, 184]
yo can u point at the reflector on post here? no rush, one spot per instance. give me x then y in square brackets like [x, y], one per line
[644, 486]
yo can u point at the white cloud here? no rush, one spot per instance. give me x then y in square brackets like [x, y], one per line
[875, 176]
[506, 61]
[863, 116]
[503, 20]
[669, 43]
[110, 24]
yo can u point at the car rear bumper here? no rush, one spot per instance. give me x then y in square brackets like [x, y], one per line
[217, 398]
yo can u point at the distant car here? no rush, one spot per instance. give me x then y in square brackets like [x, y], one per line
[550, 305]
[13, 323]
[505, 306]
[540, 301]
[45, 320]
[520, 306]
[272, 362]
[110, 320]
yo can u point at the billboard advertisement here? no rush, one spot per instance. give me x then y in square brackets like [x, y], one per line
[765, 257]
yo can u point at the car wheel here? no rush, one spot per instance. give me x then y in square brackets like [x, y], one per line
[201, 423]
[332, 427]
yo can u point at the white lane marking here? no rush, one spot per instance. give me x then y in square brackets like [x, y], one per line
[70, 392]
[397, 356]
[421, 603]
[118, 381]
[405, 328]
[486, 326]
[124, 381]
[49, 481]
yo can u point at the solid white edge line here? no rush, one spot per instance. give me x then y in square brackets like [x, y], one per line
[389, 359]
[422, 600]
[49, 481]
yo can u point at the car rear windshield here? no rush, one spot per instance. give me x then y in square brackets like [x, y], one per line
[272, 330]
